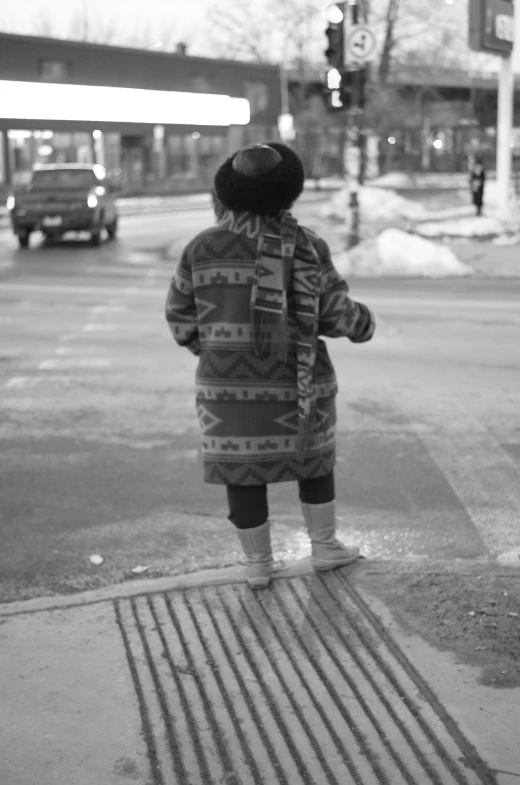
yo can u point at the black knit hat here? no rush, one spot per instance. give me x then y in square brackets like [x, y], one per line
[261, 178]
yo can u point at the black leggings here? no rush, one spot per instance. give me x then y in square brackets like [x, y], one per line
[248, 503]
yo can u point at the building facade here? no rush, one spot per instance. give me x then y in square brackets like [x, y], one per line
[446, 117]
[159, 122]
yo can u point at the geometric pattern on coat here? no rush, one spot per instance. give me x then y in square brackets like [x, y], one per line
[247, 404]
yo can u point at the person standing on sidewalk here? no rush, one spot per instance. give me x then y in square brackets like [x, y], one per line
[477, 181]
[249, 297]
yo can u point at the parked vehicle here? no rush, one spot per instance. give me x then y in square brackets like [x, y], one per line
[64, 198]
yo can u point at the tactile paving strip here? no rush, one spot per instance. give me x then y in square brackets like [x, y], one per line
[299, 684]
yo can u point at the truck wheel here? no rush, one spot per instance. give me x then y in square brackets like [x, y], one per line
[95, 234]
[23, 239]
[112, 228]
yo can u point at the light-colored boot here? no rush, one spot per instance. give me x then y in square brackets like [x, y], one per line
[256, 544]
[327, 551]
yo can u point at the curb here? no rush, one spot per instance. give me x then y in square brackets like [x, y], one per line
[235, 574]
[139, 587]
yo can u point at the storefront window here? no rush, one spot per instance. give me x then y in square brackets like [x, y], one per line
[112, 144]
[211, 155]
[28, 149]
[177, 161]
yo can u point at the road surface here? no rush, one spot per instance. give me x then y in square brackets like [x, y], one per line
[100, 445]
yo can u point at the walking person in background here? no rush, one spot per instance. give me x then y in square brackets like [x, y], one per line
[477, 180]
[249, 297]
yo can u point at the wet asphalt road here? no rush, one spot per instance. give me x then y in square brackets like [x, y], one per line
[100, 446]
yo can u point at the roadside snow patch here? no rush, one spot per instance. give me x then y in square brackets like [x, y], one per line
[399, 254]
[376, 205]
[423, 180]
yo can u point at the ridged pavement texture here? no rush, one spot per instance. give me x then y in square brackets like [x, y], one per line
[299, 684]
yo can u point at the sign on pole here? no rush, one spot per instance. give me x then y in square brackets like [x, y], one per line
[360, 44]
[491, 26]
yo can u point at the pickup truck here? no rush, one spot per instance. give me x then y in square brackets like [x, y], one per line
[62, 198]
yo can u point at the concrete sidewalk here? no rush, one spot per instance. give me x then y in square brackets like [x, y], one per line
[200, 680]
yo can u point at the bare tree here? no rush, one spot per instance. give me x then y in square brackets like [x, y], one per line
[427, 33]
[389, 40]
[141, 34]
[276, 31]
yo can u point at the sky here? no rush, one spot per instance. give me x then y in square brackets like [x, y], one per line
[186, 15]
[180, 20]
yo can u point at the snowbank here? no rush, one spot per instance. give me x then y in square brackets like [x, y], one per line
[395, 253]
[422, 180]
[377, 205]
[382, 208]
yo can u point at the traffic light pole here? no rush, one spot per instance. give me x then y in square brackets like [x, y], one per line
[353, 236]
[346, 87]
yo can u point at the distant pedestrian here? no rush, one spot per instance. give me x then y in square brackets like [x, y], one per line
[477, 181]
[249, 297]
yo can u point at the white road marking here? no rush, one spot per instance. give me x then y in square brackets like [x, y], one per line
[102, 309]
[481, 473]
[98, 328]
[421, 305]
[62, 351]
[18, 381]
[75, 362]
[31, 381]
[79, 289]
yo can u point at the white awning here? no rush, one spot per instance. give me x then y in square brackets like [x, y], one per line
[80, 103]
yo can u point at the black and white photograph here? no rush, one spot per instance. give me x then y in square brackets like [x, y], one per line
[260, 392]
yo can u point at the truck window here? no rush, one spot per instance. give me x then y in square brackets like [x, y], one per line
[63, 178]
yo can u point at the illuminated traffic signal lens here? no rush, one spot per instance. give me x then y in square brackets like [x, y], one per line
[333, 79]
[334, 14]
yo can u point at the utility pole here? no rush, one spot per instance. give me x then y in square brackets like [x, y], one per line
[357, 103]
[351, 46]
[505, 123]
[492, 30]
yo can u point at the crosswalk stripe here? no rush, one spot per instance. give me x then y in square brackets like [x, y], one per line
[482, 475]
[75, 362]
[95, 327]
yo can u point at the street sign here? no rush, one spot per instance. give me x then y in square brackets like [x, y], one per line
[491, 26]
[360, 44]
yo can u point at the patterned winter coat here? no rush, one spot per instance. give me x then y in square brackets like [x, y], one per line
[248, 403]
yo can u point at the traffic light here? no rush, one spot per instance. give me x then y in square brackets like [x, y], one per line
[346, 90]
[352, 88]
[335, 32]
[335, 54]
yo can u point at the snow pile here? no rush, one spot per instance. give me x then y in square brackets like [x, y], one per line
[382, 208]
[377, 205]
[397, 253]
[423, 180]
[463, 222]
